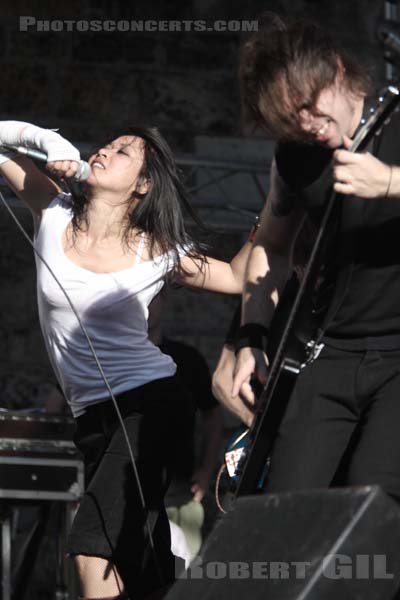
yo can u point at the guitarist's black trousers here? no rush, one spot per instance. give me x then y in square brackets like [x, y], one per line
[342, 424]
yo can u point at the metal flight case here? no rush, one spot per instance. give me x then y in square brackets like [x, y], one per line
[39, 464]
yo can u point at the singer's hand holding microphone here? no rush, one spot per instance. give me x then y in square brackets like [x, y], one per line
[46, 145]
[69, 168]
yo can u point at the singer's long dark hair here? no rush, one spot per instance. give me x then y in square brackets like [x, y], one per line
[161, 210]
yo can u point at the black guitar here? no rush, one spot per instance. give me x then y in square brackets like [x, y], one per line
[247, 455]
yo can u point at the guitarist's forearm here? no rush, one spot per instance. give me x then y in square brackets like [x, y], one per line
[267, 274]
[270, 261]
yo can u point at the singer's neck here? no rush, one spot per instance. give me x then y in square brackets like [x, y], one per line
[107, 217]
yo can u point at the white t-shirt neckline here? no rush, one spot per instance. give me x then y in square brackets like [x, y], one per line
[107, 273]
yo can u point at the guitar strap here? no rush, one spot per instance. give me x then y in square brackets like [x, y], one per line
[324, 292]
[341, 283]
[351, 212]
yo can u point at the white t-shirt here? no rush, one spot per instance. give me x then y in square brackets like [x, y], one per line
[112, 306]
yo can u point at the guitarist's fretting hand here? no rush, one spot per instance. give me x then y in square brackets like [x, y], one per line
[362, 174]
[249, 362]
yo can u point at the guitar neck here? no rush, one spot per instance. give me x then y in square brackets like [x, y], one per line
[387, 104]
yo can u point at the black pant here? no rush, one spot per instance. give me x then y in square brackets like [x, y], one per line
[110, 522]
[343, 400]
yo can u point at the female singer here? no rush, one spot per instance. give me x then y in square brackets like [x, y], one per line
[111, 246]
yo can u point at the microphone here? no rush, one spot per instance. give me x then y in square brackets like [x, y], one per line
[388, 32]
[82, 173]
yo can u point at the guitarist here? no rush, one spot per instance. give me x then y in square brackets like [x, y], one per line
[302, 87]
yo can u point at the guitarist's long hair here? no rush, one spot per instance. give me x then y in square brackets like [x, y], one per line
[284, 67]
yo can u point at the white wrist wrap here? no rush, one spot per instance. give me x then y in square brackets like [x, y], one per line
[18, 133]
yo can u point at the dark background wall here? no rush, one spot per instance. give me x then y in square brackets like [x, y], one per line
[185, 82]
[88, 83]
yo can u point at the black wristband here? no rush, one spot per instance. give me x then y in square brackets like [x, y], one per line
[253, 335]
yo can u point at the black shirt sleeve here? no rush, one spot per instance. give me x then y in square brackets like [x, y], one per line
[300, 165]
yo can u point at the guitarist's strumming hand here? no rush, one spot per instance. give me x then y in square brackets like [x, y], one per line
[250, 362]
[222, 382]
[362, 174]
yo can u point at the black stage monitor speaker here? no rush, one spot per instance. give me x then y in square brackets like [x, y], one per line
[338, 544]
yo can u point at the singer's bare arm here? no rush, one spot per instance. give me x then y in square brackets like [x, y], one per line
[29, 184]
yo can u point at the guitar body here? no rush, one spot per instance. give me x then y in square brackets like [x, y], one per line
[256, 449]
[275, 405]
